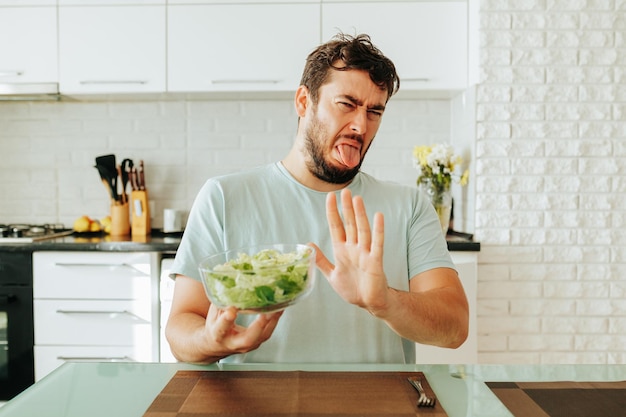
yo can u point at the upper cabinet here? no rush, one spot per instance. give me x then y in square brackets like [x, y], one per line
[112, 49]
[187, 46]
[427, 40]
[239, 47]
[28, 47]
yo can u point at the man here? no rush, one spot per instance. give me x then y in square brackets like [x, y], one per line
[388, 284]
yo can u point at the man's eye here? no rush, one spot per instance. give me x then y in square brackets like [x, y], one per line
[374, 115]
[346, 105]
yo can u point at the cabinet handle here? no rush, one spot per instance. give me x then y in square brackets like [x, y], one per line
[11, 73]
[97, 358]
[86, 82]
[104, 312]
[235, 81]
[418, 79]
[5, 299]
[83, 265]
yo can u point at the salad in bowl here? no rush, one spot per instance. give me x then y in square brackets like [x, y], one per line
[259, 279]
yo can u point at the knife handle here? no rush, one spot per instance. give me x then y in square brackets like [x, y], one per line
[142, 177]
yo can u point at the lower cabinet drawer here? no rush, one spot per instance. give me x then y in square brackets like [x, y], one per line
[48, 358]
[93, 323]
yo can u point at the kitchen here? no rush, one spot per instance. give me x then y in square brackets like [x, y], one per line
[549, 91]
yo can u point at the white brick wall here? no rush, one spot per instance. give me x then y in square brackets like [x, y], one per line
[48, 148]
[550, 166]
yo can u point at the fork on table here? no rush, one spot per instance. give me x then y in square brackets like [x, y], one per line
[424, 400]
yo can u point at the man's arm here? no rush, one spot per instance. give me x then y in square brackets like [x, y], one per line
[434, 310]
[199, 332]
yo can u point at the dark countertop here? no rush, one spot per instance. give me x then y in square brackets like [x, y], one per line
[161, 242]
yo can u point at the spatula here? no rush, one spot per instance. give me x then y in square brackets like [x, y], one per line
[106, 180]
[108, 165]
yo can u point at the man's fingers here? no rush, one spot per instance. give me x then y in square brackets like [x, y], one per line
[223, 321]
[378, 236]
[349, 219]
[362, 224]
[335, 225]
[322, 262]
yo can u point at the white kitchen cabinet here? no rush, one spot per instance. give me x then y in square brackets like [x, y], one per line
[112, 49]
[28, 44]
[466, 263]
[426, 40]
[166, 295]
[95, 306]
[239, 47]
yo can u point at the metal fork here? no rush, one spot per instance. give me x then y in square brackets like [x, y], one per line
[424, 400]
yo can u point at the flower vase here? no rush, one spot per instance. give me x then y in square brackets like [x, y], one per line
[441, 199]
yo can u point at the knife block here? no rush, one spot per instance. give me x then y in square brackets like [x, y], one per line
[119, 220]
[140, 213]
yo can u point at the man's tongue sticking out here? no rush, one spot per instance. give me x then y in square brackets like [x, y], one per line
[349, 155]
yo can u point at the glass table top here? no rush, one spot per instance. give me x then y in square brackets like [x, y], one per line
[127, 389]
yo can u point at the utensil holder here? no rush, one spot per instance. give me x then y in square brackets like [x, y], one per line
[120, 224]
[140, 213]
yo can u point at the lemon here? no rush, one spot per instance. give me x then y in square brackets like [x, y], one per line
[82, 224]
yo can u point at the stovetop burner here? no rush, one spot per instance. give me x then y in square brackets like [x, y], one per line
[24, 233]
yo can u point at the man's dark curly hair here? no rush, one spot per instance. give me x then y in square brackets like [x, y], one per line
[345, 52]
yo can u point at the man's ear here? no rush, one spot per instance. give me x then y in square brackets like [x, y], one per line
[302, 100]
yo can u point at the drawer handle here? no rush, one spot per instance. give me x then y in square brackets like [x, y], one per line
[107, 82]
[235, 81]
[104, 312]
[11, 73]
[97, 358]
[6, 299]
[418, 79]
[109, 265]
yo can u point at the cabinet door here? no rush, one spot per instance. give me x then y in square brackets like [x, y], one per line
[112, 49]
[28, 45]
[92, 275]
[251, 47]
[427, 41]
[92, 323]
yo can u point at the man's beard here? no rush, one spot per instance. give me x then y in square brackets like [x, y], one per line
[318, 165]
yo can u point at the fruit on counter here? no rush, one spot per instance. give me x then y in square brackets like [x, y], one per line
[85, 224]
[105, 222]
[82, 224]
[95, 226]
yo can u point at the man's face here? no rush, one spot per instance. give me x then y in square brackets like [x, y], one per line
[340, 128]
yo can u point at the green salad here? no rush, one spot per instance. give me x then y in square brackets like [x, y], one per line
[259, 281]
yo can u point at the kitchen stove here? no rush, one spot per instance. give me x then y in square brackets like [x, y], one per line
[24, 233]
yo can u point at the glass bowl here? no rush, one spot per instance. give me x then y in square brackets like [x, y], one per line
[259, 279]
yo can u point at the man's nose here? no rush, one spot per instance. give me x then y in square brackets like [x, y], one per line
[359, 121]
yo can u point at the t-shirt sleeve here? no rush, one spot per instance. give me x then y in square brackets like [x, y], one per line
[428, 248]
[204, 233]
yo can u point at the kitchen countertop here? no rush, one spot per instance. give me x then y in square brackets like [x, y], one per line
[127, 389]
[162, 242]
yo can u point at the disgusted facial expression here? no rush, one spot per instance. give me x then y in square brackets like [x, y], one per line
[340, 128]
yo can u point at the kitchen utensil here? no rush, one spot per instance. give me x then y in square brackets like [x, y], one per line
[106, 180]
[126, 165]
[107, 163]
[142, 177]
[424, 400]
[140, 224]
[120, 220]
[122, 192]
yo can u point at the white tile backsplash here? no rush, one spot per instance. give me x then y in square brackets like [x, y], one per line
[49, 148]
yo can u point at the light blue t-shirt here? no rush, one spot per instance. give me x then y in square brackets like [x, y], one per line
[267, 205]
